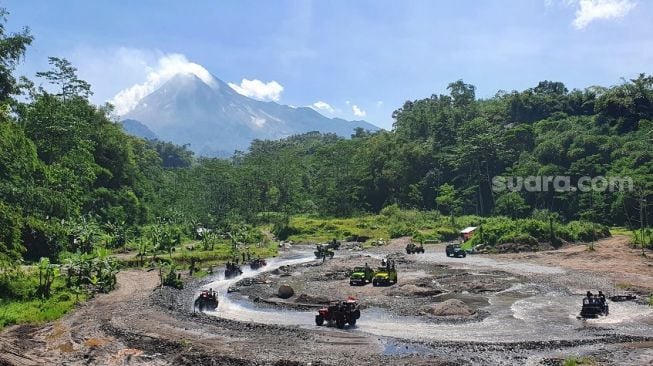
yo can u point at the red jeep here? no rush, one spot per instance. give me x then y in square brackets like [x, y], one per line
[339, 312]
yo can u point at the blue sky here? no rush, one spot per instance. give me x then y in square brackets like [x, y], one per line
[361, 59]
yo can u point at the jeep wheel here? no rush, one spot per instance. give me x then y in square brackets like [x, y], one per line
[352, 321]
[319, 320]
[355, 315]
[464, 254]
[375, 283]
[340, 322]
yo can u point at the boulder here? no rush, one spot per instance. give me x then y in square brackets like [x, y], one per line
[451, 307]
[285, 291]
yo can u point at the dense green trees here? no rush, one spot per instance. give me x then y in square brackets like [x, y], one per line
[445, 151]
[64, 161]
[443, 154]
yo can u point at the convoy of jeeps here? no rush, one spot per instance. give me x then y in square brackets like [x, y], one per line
[343, 312]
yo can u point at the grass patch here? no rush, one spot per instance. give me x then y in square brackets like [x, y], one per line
[620, 230]
[200, 273]
[635, 236]
[309, 229]
[23, 307]
[574, 361]
[221, 253]
[391, 223]
[35, 311]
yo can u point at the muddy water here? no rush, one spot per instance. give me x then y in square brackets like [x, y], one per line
[521, 313]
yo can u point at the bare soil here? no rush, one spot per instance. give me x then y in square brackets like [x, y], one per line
[614, 257]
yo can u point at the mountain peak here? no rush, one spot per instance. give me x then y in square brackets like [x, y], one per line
[215, 120]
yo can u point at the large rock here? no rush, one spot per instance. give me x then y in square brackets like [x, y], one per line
[451, 307]
[285, 291]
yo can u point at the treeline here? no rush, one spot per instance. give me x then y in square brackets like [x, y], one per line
[443, 154]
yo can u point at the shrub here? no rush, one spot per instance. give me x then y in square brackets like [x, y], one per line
[446, 233]
[582, 231]
[171, 278]
[520, 238]
[535, 228]
[399, 230]
[391, 210]
[283, 230]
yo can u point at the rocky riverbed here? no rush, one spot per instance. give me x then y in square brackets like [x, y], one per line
[480, 310]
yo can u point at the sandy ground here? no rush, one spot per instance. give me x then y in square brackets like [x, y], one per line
[138, 324]
[612, 257]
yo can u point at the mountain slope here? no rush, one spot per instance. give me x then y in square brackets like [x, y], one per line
[215, 120]
[138, 129]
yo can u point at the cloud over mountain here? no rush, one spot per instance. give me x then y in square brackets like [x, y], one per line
[215, 119]
[167, 67]
[259, 90]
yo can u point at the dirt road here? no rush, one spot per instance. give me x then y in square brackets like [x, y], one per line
[612, 256]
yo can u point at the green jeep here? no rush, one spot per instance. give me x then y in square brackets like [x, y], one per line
[361, 276]
[384, 276]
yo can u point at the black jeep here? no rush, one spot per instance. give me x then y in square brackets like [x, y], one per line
[455, 250]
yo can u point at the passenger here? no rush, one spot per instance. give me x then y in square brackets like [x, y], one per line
[589, 294]
[601, 297]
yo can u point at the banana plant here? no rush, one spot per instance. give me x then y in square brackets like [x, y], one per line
[47, 273]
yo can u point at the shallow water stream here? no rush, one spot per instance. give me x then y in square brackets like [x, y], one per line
[519, 314]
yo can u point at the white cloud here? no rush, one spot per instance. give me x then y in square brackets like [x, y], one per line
[379, 103]
[357, 111]
[258, 121]
[323, 106]
[166, 67]
[591, 10]
[259, 90]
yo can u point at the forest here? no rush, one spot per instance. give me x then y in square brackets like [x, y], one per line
[72, 181]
